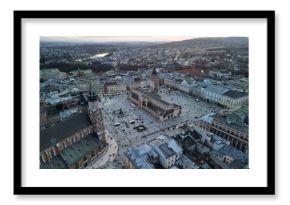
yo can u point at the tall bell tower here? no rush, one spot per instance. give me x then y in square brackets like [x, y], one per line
[154, 81]
[95, 115]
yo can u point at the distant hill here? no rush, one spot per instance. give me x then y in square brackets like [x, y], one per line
[44, 43]
[204, 43]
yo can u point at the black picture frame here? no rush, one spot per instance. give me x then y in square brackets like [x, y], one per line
[268, 190]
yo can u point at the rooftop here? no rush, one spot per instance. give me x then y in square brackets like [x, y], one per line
[217, 89]
[110, 83]
[185, 163]
[78, 150]
[167, 151]
[174, 146]
[54, 163]
[234, 153]
[138, 156]
[232, 122]
[208, 118]
[234, 94]
[155, 97]
[63, 130]
[217, 156]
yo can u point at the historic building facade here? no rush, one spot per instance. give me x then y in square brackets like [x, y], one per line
[154, 82]
[114, 88]
[153, 104]
[74, 142]
[237, 135]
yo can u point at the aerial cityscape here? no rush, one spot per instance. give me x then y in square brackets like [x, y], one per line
[133, 102]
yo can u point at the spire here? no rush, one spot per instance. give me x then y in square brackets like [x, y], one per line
[92, 95]
[154, 71]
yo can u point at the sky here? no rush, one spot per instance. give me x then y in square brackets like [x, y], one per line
[114, 38]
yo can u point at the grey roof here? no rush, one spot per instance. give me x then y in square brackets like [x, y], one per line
[186, 84]
[217, 89]
[168, 152]
[138, 156]
[78, 150]
[217, 139]
[238, 164]
[63, 130]
[155, 97]
[186, 163]
[54, 163]
[207, 118]
[173, 145]
[234, 153]
[217, 156]
[232, 122]
[111, 83]
[243, 111]
[234, 94]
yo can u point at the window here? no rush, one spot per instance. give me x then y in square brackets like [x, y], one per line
[51, 152]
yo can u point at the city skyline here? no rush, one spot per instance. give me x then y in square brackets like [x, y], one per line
[116, 38]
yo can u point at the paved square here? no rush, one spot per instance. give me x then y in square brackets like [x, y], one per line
[120, 118]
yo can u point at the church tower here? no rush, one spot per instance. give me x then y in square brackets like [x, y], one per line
[95, 114]
[154, 81]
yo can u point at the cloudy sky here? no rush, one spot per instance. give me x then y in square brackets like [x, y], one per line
[114, 38]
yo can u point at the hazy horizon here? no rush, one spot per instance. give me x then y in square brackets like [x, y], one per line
[114, 38]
